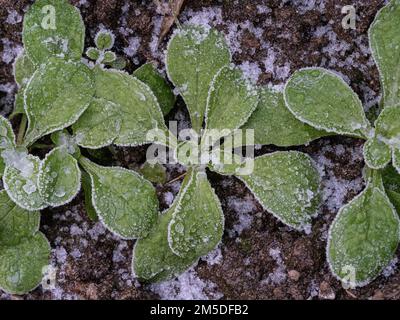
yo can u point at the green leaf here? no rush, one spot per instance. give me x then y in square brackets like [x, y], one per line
[125, 202]
[155, 173]
[59, 178]
[396, 159]
[231, 101]
[15, 222]
[323, 100]
[7, 136]
[194, 56]
[119, 63]
[391, 182]
[230, 163]
[287, 185]
[58, 93]
[109, 57]
[93, 53]
[153, 260]
[99, 125]
[53, 28]
[139, 109]
[87, 189]
[22, 265]
[274, 124]
[19, 103]
[385, 46]
[23, 69]
[2, 167]
[363, 237]
[104, 40]
[388, 126]
[21, 179]
[161, 88]
[197, 222]
[376, 153]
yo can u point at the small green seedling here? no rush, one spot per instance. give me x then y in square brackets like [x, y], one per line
[80, 106]
[89, 106]
[365, 234]
[217, 95]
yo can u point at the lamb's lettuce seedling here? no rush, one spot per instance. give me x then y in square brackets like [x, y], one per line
[57, 90]
[217, 94]
[365, 234]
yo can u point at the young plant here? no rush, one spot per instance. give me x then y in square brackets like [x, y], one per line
[217, 95]
[365, 234]
[80, 106]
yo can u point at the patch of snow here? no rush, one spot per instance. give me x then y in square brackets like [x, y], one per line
[13, 17]
[188, 286]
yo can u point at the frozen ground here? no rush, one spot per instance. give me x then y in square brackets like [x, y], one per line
[259, 257]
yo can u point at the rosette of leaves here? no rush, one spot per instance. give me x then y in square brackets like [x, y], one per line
[220, 101]
[365, 234]
[78, 106]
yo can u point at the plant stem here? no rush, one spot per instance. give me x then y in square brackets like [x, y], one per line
[22, 129]
[177, 178]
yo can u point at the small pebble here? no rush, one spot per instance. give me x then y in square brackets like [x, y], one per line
[294, 275]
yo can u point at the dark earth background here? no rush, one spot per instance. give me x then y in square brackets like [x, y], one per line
[259, 257]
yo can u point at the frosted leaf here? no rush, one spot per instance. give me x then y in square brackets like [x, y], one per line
[58, 93]
[194, 56]
[153, 259]
[384, 39]
[396, 159]
[21, 180]
[109, 57]
[7, 137]
[391, 182]
[125, 202]
[323, 100]
[138, 116]
[59, 188]
[19, 107]
[154, 173]
[161, 88]
[197, 222]
[23, 70]
[99, 125]
[231, 101]
[388, 126]
[53, 28]
[228, 163]
[104, 40]
[274, 124]
[2, 167]
[376, 153]
[287, 185]
[87, 189]
[16, 223]
[21, 265]
[93, 53]
[364, 236]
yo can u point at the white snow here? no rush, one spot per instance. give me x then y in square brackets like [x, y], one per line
[13, 17]
[188, 286]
